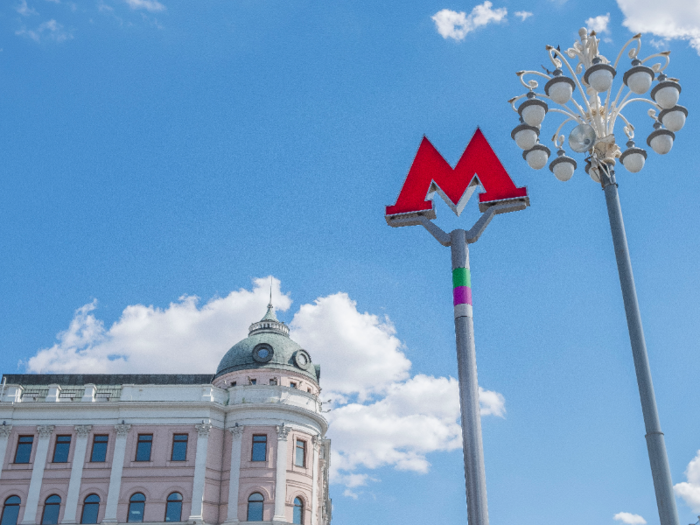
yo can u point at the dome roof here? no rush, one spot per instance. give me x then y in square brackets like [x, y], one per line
[268, 346]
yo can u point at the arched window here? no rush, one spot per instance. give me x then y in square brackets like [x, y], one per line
[298, 511]
[91, 509]
[52, 506]
[255, 507]
[173, 509]
[10, 511]
[137, 504]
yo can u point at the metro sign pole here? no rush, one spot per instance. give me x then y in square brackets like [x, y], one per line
[431, 173]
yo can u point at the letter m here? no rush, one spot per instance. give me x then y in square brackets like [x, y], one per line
[430, 172]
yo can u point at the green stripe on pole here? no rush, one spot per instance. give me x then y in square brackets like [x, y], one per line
[461, 277]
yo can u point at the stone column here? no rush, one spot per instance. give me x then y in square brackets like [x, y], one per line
[115, 476]
[234, 479]
[76, 473]
[281, 476]
[5, 431]
[200, 471]
[42, 450]
[314, 478]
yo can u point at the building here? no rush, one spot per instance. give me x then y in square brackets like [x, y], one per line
[246, 444]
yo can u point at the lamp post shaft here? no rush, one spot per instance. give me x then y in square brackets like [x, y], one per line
[660, 471]
[474, 470]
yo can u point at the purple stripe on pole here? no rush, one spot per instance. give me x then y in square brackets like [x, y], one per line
[462, 295]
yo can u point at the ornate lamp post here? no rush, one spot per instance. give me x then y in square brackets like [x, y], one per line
[578, 98]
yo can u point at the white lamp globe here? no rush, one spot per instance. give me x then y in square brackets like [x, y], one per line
[666, 94]
[525, 136]
[673, 119]
[638, 78]
[599, 76]
[560, 88]
[633, 159]
[563, 167]
[661, 141]
[532, 111]
[537, 156]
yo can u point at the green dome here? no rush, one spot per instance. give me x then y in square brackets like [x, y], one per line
[268, 346]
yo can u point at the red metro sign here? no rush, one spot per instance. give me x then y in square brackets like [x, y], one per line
[430, 172]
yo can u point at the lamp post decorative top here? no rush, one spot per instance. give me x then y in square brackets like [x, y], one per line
[578, 98]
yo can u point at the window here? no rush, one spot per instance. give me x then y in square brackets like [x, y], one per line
[61, 449]
[179, 447]
[137, 504]
[253, 381]
[233, 383]
[173, 509]
[273, 381]
[308, 390]
[298, 516]
[259, 448]
[255, 507]
[10, 511]
[292, 384]
[24, 449]
[99, 449]
[300, 456]
[52, 506]
[91, 509]
[143, 447]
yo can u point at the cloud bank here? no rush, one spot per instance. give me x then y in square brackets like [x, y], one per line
[382, 416]
[690, 490]
[671, 19]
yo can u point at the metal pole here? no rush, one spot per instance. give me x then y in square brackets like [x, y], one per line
[474, 471]
[660, 471]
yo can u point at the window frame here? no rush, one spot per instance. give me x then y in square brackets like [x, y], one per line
[85, 505]
[255, 501]
[20, 445]
[168, 501]
[5, 505]
[175, 440]
[138, 502]
[51, 504]
[301, 508]
[149, 442]
[303, 452]
[56, 444]
[106, 444]
[252, 448]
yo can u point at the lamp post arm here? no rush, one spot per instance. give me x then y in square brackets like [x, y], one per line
[435, 230]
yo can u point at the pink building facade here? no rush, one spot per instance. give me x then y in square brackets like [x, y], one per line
[246, 445]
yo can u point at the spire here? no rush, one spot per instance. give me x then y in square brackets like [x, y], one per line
[270, 315]
[269, 323]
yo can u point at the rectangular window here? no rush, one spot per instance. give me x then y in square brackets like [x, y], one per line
[273, 381]
[253, 381]
[61, 449]
[259, 448]
[233, 383]
[179, 447]
[99, 449]
[300, 456]
[24, 449]
[292, 384]
[143, 447]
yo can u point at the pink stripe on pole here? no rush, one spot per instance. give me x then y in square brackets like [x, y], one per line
[462, 295]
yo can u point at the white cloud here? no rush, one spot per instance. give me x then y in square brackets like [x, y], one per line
[629, 518]
[523, 15]
[690, 490]
[599, 23]
[23, 9]
[152, 6]
[381, 416]
[456, 25]
[671, 19]
[49, 30]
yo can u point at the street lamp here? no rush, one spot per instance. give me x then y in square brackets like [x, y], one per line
[578, 98]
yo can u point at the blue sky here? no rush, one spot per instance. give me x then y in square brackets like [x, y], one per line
[157, 151]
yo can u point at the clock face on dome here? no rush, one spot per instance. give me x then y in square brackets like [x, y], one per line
[302, 359]
[262, 353]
